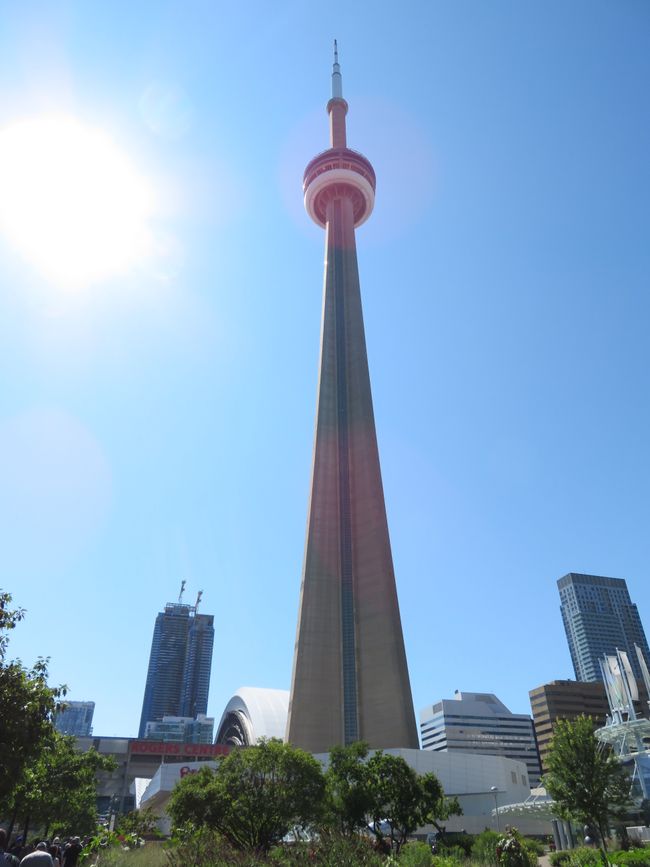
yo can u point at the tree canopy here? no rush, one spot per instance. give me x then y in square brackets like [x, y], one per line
[58, 789]
[254, 796]
[586, 782]
[383, 794]
[28, 707]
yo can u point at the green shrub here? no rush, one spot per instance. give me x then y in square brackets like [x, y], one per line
[416, 855]
[637, 857]
[445, 861]
[450, 841]
[580, 857]
[484, 849]
[512, 852]
[534, 845]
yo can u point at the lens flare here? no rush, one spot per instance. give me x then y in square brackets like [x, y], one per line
[70, 201]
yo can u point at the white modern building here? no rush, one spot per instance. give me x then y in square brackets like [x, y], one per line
[478, 723]
[253, 713]
[482, 784]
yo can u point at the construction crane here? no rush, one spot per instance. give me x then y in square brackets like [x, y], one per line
[180, 595]
[198, 600]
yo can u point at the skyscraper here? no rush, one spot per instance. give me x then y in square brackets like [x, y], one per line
[599, 617]
[178, 677]
[350, 677]
[76, 719]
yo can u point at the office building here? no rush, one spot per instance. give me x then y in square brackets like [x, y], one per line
[568, 699]
[350, 678]
[178, 677]
[75, 719]
[599, 618]
[181, 730]
[477, 722]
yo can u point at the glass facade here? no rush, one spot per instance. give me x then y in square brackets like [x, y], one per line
[599, 617]
[178, 677]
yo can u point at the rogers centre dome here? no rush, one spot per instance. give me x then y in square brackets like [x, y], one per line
[253, 713]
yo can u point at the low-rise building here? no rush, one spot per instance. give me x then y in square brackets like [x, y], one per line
[181, 729]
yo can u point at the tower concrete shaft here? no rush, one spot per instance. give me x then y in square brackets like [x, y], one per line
[350, 676]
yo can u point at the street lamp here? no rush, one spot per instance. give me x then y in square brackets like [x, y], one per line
[494, 791]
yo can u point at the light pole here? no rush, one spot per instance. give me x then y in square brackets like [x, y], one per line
[494, 791]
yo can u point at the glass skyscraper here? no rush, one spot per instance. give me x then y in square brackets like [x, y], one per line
[178, 678]
[599, 617]
[76, 718]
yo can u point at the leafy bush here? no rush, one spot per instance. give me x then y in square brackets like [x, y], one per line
[580, 857]
[416, 855]
[484, 849]
[638, 857]
[445, 861]
[330, 850]
[533, 845]
[456, 853]
[451, 841]
[512, 852]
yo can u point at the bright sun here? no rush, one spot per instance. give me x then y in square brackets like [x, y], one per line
[70, 201]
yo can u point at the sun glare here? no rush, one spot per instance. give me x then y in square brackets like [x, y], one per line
[70, 201]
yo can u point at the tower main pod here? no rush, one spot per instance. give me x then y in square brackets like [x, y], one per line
[350, 678]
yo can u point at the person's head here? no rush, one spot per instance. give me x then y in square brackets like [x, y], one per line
[3, 839]
[42, 847]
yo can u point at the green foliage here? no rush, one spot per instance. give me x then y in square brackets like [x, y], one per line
[533, 845]
[151, 855]
[382, 793]
[28, 708]
[416, 855]
[638, 857]
[588, 785]
[456, 852]
[58, 789]
[141, 823]
[254, 797]
[582, 856]
[484, 849]
[446, 861]
[450, 842]
[349, 797]
[206, 848]
[512, 852]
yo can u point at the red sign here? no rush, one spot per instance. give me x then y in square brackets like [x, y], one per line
[162, 749]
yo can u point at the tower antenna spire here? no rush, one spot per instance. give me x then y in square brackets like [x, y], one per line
[337, 81]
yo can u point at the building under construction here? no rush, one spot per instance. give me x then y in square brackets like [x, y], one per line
[178, 677]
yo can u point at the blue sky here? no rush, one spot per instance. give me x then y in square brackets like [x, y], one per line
[157, 425]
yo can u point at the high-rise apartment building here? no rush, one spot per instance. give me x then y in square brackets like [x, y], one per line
[178, 677]
[477, 722]
[350, 678]
[76, 719]
[599, 617]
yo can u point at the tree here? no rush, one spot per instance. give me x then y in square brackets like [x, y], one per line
[349, 795]
[58, 789]
[27, 705]
[254, 796]
[403, 800]
[383, 794]
[586, 782]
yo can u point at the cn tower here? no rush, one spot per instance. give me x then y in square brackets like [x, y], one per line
[350, 678]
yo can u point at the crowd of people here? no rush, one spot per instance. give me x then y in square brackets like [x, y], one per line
[40, 853]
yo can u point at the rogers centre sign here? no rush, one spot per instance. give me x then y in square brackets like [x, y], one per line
[162, 749]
